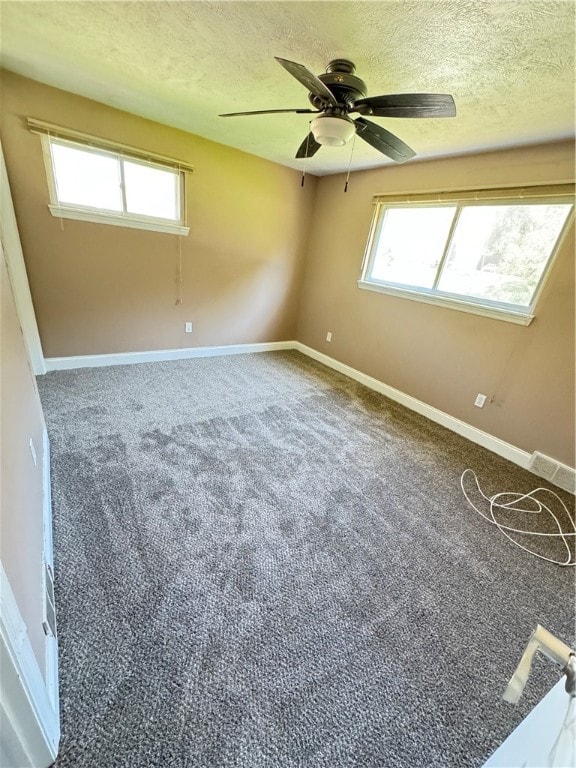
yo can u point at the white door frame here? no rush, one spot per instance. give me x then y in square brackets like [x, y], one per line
[29, 713]
[29, 706]
[18, 277]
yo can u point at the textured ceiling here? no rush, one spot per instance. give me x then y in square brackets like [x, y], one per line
[509, 66]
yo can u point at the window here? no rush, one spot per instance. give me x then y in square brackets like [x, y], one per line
[485, 252]
[105, 186]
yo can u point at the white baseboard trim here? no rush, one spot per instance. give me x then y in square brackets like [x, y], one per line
[127, 358]
[494, 444]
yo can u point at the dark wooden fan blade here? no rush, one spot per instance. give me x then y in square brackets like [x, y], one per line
[407, 105]
[307, 79]
[383, 140]
[271, 112]
[308, 147]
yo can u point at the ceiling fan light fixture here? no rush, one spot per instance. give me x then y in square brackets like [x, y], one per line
[332, 131]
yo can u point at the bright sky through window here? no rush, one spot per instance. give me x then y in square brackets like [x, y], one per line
[411, 245]
[87, 178]
[99, 185]
[151, 191]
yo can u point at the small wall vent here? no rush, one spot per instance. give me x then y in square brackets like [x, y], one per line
[560, 474]
[49, 623]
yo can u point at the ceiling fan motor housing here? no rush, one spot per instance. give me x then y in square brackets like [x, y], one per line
[340, 79]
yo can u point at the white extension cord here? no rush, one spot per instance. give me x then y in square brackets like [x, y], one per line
[508, 501]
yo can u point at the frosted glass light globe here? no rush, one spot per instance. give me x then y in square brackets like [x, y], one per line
[332, 131]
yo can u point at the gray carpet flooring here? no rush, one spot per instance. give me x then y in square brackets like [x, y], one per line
[260, 563]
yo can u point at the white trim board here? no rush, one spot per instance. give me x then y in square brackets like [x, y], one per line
[34, 731]
[17, 270]
[51, 660]
[30, 709]
[494, 444]
[127, 358]
[120, 220]
[490, 442]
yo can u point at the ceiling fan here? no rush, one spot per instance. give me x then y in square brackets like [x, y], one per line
[338, 92]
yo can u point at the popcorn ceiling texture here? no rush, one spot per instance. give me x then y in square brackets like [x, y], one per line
[509, 66]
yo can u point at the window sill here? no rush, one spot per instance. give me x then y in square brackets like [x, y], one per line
[494, 312]
[118, 220]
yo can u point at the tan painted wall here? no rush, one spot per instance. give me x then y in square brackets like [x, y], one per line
[100, 289]
[21, 494]
[440, 356]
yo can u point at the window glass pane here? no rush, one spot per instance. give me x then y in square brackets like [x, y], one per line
[411, 244]
[86, 178]
[499, 252]
[151, 191]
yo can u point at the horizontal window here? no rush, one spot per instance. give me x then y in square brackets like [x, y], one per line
[103, 186]
[489, 256]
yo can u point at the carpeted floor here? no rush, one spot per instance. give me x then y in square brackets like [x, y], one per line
[260, 563]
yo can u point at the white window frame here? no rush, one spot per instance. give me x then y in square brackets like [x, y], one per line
[485, 307]
[102, 215]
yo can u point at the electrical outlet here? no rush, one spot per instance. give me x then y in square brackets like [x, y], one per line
[188, 327]
[329, 336]
[480, 400]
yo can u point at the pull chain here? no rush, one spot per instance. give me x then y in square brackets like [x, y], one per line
[179, 273]
[350, 163]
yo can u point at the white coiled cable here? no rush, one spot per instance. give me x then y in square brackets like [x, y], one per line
[511, 502]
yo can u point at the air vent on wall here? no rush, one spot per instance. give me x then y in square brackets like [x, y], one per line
[560, 474]
[49, 623]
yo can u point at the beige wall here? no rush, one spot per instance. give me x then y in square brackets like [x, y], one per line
[102, 289]
[21, 494]
[441, 356]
